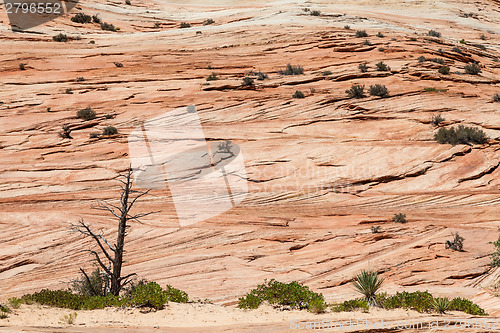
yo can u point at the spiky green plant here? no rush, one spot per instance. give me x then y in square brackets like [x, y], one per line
[368, 283]
[440, 304]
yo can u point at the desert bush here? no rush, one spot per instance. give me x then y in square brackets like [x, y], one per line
[368, 283]
[440, 304]
[260, 75]
[356, 91]
[3, 311]
[96, 19]
[444, 70]
[376, 230]
[456, 49]
[317, 305]
[66, 132]
[22, 67]
[464, 305]
[81, 18]
[483, 37]
[381, 66]
[462, 41]
[68, 91]
[363, 68]
[80, 79]
[381, 49]
[247, 82]
[60, 38]
[496, 98]
[118, 64]
[472, 69]
[361, 34]
[456, 244]
[434, 33]
[315, 13]
[380, 35]
[350, 305]
[399, 218]
[326, 73]
[69, 318]
[438, 60]
[149, 295]
[283, 295]
[480, 46]
[109, 130]
[379, 90]
[433, 89]
[298, 94]
[212, 77]
[422, 59]
[185, 25]
[347, 27]
[437, 119]
[460, 135]
[208, 22]
[94, 135]
[367, 42]
[413, 39]
[15, 303]
[292, 70]
[86, 114]
[176, 295]
[108, 27]
[495, 256]
[95, 285]
[127, 2]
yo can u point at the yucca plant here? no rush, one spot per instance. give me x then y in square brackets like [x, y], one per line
[368, 283]
[440, 304]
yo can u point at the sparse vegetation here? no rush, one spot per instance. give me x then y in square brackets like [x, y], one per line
[81, 18]
[368, 283]
[291, 295]
[460, 135]
[298, 94]
[96, 19]
[445, 70]
[347, 27]
[496, 98]
[80, 79]
[413, 39]
[361, 34]
[22, 67]
[380, 35]
[363, 68]
[367, 42]
[433, 89]
[315, 13]
[292, 70]
[326, 73]
[495, 256]
[260, 75]
[66, 132]
[127, 2]
[350, 305]
[68, 91]
[438, 60]
[381, 66]
[399, 218]
[456, 49]
[356, 91]
[248, 82]
[212, 77]
[483, 37]
[434, 33]
[456, 244]
[118, 64]
[208, 21]
[436, 120]
[94, 135]
[472, 69]
[109, 130]
[108, 27]
[375, 230]
[86, 114]
[69, 318]
[60, 38]
[379, 90]
[422, 59]
[185, 25]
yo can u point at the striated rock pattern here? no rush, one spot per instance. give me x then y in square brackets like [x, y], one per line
[322, 170]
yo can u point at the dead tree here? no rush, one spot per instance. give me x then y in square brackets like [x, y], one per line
[114, 253]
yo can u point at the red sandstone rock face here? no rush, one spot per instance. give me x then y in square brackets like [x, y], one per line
[322, 170]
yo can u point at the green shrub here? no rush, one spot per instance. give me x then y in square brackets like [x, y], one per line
[368, 283]
[69, 318]
[81, 18]
[109, 130]
[185, 25]
[422, 59]
[418, 301]
[379, 90]
[456, 244]
[444, 70]
[472, 69]
[317, 305]
[440, 305]
[291, 295]
[464, 305]
[15, 302]
[367, 42]
[381, 66]
[496, 98]
[212, 77]
[94, 286]
[298, 94]
[436, 120]
[361, 34]
[495, 256]
[149, 295]
[56, 298]
[96, 19]
[350, 305]
[60, 38]
[315, 13]
[434, 33]
[399, 218]
[356, 91]
[248, 82]
[86, 114]
[108, 27]
[363, 68]
[460, 135]
[292, 70]
[438, 60]
[4, 308]
[176, 295]
[208, 22]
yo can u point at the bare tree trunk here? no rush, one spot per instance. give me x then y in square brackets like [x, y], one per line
[114, 254]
